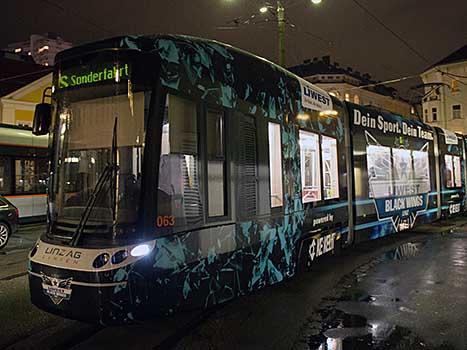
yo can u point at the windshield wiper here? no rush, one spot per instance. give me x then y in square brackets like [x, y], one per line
[109, 172]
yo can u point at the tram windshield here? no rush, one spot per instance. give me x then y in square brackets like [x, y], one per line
[99, 141]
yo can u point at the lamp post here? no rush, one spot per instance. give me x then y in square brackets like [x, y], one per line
[281, 22]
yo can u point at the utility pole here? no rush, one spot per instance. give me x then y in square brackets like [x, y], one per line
[281, 23]
[280, 13]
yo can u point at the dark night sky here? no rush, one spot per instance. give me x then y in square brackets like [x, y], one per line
[435, 28]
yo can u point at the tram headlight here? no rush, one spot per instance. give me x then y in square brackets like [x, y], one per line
[140, 250]
[101, 260]
[119, 256]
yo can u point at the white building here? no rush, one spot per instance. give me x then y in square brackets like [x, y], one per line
[445, 99]
[42, 47]
[347, 84]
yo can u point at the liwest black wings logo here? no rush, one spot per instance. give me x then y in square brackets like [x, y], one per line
[57, 289]
[399, 181]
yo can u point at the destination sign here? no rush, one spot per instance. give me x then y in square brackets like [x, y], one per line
[94, 75]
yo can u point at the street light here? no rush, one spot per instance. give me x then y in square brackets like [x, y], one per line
[280, 11]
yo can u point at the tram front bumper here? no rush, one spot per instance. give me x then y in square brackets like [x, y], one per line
[60, 292]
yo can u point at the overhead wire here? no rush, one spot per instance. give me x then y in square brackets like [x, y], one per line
[25, 75]
[78, 15]
[405, 42]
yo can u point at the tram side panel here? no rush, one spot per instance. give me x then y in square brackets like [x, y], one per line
[394, 172]
[271, 220]
[23, 173]
[323, 180]
[452, 172]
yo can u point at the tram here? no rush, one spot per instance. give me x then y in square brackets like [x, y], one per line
[186, 172]
[24, 162]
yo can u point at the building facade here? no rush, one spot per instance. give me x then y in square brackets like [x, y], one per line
[17, 107]
[42, 47]
[348, 84]
[445, 100]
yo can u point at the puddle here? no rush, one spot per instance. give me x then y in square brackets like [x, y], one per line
[342, 331]
[339, 324]
[404, 251]
[333, 326]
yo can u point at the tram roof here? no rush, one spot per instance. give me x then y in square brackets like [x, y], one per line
[11, 135]
[145, 43]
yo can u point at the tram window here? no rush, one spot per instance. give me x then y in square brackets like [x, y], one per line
[452, 171]
[379, 171]
[42, 166]
[31, 176]
[457, 171]
[179, 196]
[215, 163]
[5, 175]
[310, 166]
[275, 164]
[403, 170]
[421, 171]
[330, 169]
[449, 170]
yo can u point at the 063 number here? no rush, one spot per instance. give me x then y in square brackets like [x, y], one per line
[165, 221]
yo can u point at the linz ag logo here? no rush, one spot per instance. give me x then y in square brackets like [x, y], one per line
[61, 252]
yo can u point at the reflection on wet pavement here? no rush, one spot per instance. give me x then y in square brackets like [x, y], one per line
[404, 251]
[411, 297]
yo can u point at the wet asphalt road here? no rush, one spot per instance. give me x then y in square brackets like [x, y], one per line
[411, 297]
[408, 291]
[14, 256]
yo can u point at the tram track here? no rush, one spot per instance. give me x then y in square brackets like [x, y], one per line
[13, 276]
[172, 340]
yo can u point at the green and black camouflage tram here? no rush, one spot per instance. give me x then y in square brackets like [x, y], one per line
[186, 172]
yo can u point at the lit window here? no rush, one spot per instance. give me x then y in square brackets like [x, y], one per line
[18, 50]
[31, 175]
[379, 171]
[347, 97]
[330, 168]
[310, 166]
[449, 170]
[456, 112]
[453, 171]
[457, 171]
[421, 167]
[43, 48]
[275, 164]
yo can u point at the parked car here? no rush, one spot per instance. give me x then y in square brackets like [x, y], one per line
[8, 220]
